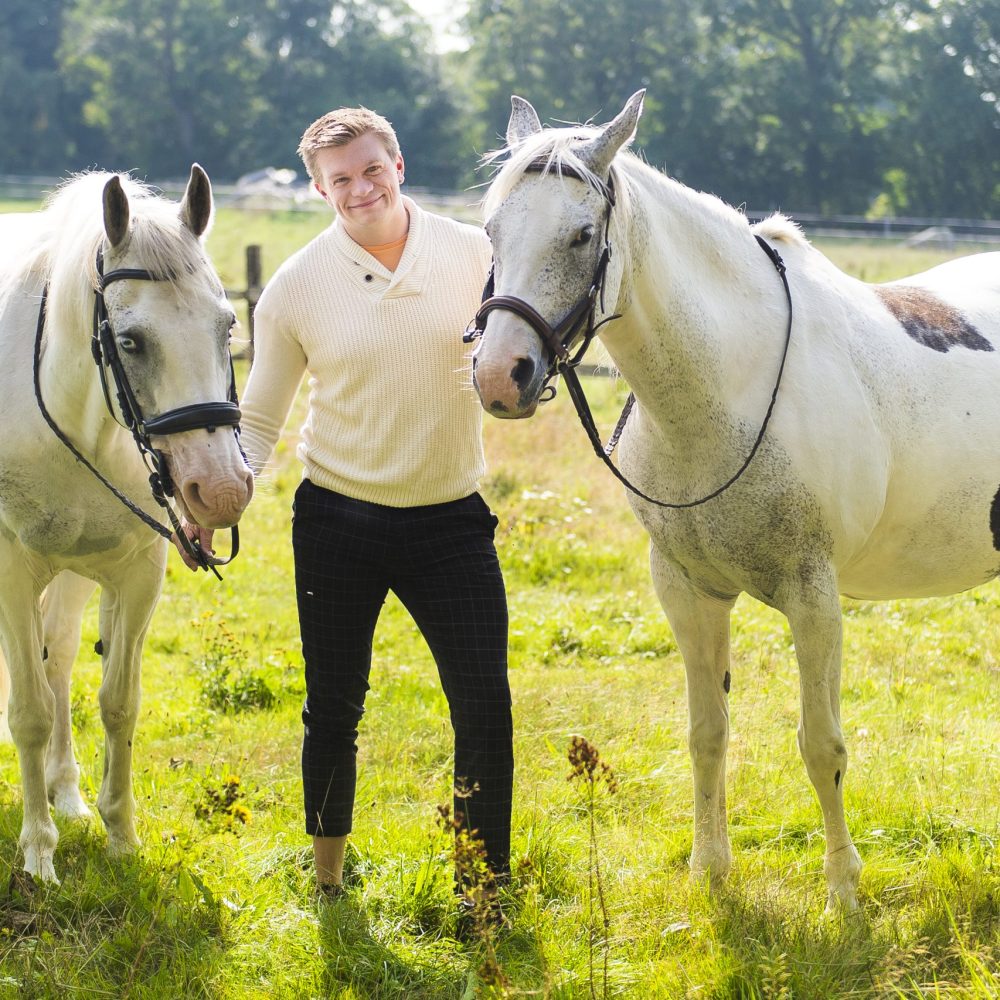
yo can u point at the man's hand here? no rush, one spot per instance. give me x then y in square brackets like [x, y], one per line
[196, 533]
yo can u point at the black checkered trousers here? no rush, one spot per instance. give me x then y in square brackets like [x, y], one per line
[440, 561]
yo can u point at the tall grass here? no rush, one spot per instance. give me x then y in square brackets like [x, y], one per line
[219, 901]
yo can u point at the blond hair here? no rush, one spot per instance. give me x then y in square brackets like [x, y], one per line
[338, 128]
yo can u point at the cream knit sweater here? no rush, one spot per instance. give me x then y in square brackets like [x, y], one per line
[393, 418]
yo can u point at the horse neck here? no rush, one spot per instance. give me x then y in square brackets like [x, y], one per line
[696, 336]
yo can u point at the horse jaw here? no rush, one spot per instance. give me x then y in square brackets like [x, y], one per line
[213, 484]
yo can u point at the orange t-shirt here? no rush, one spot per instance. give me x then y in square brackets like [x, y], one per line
[389, 254]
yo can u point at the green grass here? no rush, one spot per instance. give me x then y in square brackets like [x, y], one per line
[215, 907]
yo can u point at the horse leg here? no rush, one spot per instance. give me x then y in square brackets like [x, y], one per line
[5, 736]
[31, 708]
[817, 625]
[62, 611]
[125, 613]
[701, 627]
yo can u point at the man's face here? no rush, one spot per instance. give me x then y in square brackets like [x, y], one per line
[360, 181]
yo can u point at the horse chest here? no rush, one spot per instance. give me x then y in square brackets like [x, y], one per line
[756, 540]
[82, 523]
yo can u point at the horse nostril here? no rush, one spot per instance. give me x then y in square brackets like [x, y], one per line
[523, 372]
[192, 494]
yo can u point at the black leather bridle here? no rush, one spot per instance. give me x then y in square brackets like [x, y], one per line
[558, 340]
[195, 416]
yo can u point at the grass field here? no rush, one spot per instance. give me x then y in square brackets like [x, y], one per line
[219, 902]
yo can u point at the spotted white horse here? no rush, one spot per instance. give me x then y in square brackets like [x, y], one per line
[108, 272]
[877, 472]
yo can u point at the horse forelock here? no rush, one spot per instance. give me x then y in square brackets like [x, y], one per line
[73, 231]
[556, 148]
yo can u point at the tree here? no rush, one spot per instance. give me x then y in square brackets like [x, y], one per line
[809, 103]
[944, 135]
[576, 59]
[233, 83]
[40, 118]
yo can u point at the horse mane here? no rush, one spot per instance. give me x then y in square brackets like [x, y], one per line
[70, 231]
[781, 229]
[555, 146]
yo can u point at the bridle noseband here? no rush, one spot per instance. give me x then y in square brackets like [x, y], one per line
[194, 416]
[558, 340]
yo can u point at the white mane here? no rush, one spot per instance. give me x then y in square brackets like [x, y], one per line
[780, 228]
[556, 147]
[70, 229]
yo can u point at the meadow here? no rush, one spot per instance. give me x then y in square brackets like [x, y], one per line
[220, 902]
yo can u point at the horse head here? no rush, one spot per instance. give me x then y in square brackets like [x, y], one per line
[167, 328]
[548, 216]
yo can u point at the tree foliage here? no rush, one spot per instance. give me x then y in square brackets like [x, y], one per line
[888, 106]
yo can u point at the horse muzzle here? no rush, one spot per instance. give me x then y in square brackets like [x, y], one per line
[509, 386]
[212, 482]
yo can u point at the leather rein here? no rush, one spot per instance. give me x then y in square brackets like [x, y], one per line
[580, 322]
[195, 416]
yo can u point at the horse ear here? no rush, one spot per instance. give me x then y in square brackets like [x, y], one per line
[196, 206]
[523, 121]
[116, 212]
[599, 152]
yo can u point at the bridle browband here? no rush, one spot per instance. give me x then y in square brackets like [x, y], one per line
[195, 416]
[558, 340]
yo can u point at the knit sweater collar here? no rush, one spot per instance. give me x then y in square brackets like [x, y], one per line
[371, 274]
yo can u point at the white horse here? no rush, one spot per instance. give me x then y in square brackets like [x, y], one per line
[878, 470]
[108, 272]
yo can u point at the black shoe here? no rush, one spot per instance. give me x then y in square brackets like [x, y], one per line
[477, 920]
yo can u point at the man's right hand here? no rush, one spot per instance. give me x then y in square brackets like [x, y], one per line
[196, 533]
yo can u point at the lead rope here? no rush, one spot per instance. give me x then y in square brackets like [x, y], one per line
[192, 547]
[604, 451]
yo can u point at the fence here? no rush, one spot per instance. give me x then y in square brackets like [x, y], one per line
[298, 197]
[250, 294]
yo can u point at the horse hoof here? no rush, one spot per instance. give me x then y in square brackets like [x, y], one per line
[38, 866]
[122, 846]
[712, 868]
[70, 805]
[843, 872]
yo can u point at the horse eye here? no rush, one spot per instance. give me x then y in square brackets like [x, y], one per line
[584, 236]
[130, 345]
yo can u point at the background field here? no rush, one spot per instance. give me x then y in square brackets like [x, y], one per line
[217, 907]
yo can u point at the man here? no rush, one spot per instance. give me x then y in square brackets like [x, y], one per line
[373, 309]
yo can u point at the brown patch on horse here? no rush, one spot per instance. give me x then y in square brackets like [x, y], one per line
[929, 320]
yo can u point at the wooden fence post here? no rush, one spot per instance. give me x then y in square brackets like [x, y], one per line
[253, 291]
